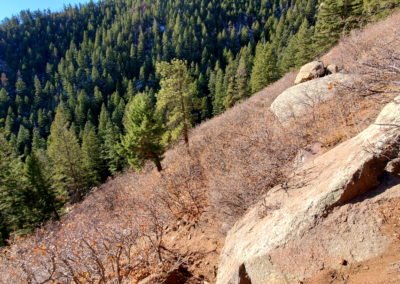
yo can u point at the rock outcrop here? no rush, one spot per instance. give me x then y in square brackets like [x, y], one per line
[310, 71]
[299, 98]
[312, 223]
[332, 69]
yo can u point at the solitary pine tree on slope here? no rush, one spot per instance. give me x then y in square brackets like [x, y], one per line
[143, 133]
[175, 99]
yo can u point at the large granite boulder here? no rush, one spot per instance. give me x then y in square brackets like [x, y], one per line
[310, 71]
[298, 99]
[312, 222]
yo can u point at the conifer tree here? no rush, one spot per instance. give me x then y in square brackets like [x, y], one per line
[218, 91]
[110, 150]
[375, 9]
[91, 157]
[336, 18]
[38, 92]
[42, 198]
[287, 60]
[103, 119]
[265, 67]
[38, 143]
[243, 74]
[12, 191]
[20, 87]
[175, 99]
[230, 82]
[304, 44]
[26, 197]
[68, 175]
[4, 104]
[143, 133]
[23, 139]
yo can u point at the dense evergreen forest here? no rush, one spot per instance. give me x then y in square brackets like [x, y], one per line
[95, 88]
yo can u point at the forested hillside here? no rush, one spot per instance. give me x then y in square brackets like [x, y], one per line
[92, 89]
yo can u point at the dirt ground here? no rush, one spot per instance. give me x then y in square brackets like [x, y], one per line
[383, 269]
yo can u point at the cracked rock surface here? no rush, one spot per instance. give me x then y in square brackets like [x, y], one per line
[325, 217]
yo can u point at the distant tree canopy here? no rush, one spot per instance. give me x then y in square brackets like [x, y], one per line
[68, 79]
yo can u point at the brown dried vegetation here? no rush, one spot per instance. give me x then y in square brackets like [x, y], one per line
[148, 223]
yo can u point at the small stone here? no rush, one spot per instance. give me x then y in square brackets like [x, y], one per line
[332, 69]
[310, 71]
[393, 167]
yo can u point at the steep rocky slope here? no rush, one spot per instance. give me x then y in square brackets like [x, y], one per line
[170, 228]
[307, 224]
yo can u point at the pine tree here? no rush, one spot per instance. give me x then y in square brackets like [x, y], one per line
[68, 176]
[110, 150]
[4, 104]
[42, 198]
[287, 60]
[91, 158]
[175, 99]
[305, 50]
[98, 99]
[103, 119]
[108, 133]
[265, 68]
[26, 197]
[219, 91]
[143, 133]
[230, 83]
[23, 139]
[336, 18]
[38, 92]
[38, 142]
[243, 75]
[257, 81]
[12, 191]
[374, 9]
[20, 87]
[81, 109]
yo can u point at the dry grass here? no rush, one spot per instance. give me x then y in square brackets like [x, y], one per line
[141, 223]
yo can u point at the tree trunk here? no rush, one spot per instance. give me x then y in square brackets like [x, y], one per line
[157, 162]
[57, 216]
[186, 133]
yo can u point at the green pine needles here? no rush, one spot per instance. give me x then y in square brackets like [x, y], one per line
[143, 133]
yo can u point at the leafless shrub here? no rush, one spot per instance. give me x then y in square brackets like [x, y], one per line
[373, 56]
